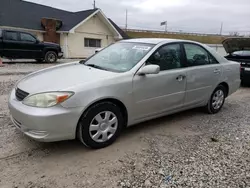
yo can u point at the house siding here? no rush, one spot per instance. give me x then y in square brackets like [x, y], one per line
[92, 28]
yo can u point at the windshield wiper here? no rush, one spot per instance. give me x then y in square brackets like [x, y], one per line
[95, 66]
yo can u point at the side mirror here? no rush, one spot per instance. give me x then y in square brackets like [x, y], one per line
[37, 41]
[149, 69]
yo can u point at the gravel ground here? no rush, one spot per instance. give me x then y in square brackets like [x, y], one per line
[188, 149]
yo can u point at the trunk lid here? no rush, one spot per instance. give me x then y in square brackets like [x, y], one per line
[236, 44]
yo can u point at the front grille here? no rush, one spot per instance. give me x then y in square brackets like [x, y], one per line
[20, 94]
[16, 123]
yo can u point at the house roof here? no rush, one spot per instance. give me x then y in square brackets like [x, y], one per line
[122, 33]
[28, 15]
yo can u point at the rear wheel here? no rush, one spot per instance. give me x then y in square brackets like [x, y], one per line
[100, 125]
[217, 100]
[50, 57]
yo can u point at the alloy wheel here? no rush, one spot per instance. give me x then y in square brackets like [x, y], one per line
[103, 126]
[217, 100]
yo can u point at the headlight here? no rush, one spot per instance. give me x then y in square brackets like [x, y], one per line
[45, 100]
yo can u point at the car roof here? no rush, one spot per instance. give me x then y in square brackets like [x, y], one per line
[155, 40]
[16, 30]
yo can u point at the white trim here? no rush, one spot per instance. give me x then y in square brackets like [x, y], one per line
[90, 16]
[23, 29]
[66, 47]
[119, 35]
[61, 32]
[86, 19]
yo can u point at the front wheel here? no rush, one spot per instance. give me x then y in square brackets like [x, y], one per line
[216, 100]
[50, 57]
[100, 125]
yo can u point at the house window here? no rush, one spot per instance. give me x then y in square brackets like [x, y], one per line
[92, 42]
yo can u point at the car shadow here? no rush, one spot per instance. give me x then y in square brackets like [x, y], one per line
[56, 148]
[161, 122]
[27, 62]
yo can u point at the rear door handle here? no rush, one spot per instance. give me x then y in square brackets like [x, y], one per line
[216, 71]
[180, 78]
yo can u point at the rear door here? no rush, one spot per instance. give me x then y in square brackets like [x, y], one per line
[203, 74]
[11, 44]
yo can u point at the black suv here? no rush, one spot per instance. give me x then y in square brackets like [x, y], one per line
[22, 45]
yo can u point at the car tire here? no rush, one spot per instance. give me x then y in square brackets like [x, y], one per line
[216, 100]
[51, 57]
[100, 125]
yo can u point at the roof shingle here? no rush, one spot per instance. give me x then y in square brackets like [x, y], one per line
[22, 14]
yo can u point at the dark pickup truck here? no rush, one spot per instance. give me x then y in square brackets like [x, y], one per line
[22, 45]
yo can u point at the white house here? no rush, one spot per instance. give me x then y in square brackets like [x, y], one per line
[78, 33]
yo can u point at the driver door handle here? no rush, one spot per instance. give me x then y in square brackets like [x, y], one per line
[180, 78]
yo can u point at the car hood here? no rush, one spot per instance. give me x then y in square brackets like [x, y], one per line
[236, 44]
[62, 77]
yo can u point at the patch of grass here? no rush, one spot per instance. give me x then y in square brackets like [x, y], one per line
[202, 39]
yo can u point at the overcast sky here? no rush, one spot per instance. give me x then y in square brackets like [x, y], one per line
[186, 15]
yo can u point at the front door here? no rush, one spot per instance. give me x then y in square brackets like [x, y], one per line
[203, 74]
[163, 92]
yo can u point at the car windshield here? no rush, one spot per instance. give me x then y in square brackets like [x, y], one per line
[119, 57]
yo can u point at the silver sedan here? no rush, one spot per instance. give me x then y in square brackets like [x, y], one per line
[126, 83]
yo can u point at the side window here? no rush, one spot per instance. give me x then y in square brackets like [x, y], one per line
[212, 60]
[27, 37]
[167, 57]
[196, 55]
[11, 35]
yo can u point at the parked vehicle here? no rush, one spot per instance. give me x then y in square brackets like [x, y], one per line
[238, 50]
[22, 45]
[126, 83]
[98, 50]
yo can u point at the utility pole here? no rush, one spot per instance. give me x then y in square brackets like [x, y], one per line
[94, 4]
[126, 25]
[221, 28]
[166, 26]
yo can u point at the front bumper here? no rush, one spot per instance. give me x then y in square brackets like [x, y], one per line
[44, 124]
[60, 55]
